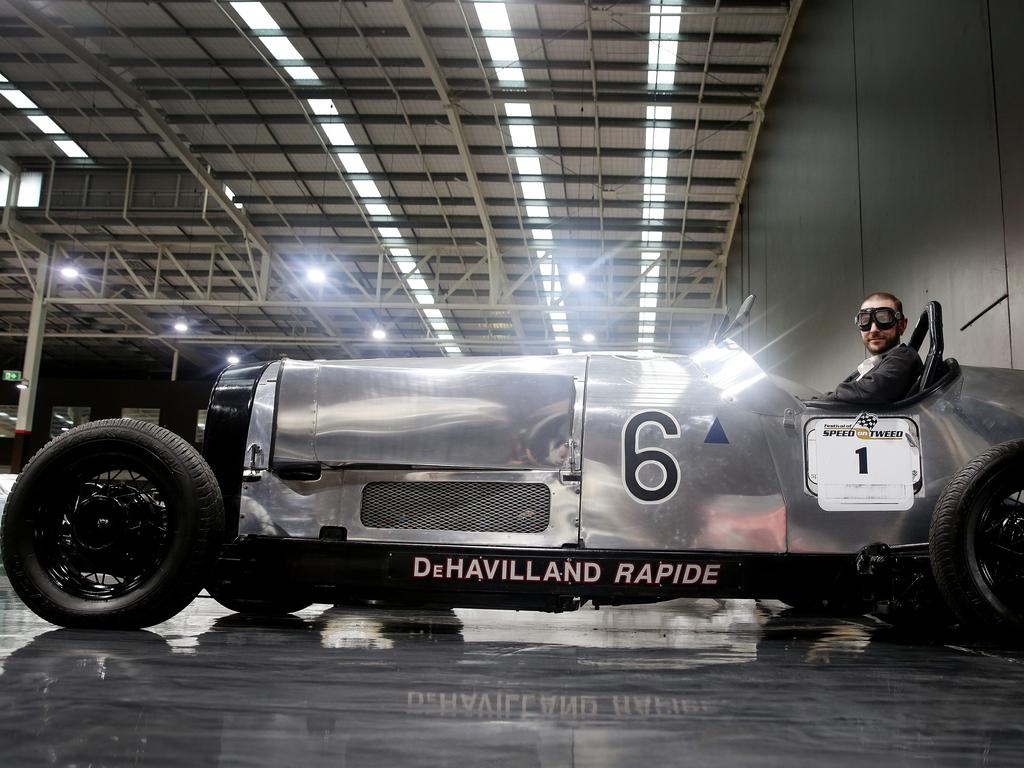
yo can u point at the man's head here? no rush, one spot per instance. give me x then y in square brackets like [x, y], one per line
[881, 322]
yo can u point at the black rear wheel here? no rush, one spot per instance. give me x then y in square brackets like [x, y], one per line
[114, 524]
[977, 541]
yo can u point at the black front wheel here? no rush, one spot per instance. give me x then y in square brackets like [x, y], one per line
[976, 541]
[115, 524]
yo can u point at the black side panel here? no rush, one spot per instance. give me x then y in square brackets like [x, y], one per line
[227, 426]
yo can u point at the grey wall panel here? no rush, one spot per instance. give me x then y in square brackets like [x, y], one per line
[803, 226]
[930, 195]
[1007, 29]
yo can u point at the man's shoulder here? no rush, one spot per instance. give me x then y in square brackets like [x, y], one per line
[902, 352]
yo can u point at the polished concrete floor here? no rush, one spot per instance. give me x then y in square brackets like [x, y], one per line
[682, 683]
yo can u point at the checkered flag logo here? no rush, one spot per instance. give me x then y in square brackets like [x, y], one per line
[866, 420]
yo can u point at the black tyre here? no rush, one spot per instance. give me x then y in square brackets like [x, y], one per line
[275, 605]
[976, 541]
[115, 524]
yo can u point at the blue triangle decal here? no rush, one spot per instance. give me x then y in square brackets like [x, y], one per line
[716, 434]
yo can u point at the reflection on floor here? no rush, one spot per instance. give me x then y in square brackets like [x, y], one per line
[681, 683]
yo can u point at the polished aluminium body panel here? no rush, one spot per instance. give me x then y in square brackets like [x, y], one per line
[403, 415]
[728, 496]
[746, 494]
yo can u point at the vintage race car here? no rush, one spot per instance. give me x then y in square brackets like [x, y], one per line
[536, 483]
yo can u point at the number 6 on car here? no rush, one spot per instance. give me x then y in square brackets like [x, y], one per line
[634, 459]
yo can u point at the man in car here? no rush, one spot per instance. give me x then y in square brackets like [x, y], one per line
[891, 368]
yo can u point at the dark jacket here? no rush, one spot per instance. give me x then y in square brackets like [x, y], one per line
[890, 380]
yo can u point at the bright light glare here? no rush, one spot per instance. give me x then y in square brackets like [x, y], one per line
[379, 334]
[589, 338]
[69, 272]
[181, 326]
[316, 275]
[233, 360]
[577, 278]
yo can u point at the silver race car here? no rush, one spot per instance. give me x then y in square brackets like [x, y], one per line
[537, 483]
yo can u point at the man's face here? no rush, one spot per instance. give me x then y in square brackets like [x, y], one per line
[878, 340]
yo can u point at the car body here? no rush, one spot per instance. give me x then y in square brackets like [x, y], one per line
[538, 483]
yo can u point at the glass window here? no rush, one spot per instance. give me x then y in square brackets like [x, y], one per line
[200, 426]
[150, 415]
[8, 419]
[67, 416]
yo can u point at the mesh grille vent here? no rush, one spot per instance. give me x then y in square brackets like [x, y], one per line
[456, 506]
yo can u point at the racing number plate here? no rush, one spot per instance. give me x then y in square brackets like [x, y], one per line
[862, 462]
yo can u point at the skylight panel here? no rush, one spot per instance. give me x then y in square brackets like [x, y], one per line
[453, 350]
[502, 49]
[281, 48]
[533, 190]
[650, 255]
[537, 211]
[648, 302]
[493, 17]
[653, 213]
[366, 188]
[656, 138]
[18, 99]
[424, 298]
[230, 195]
[523, 135]
[337, 134]
[556, 315]
[439, 325]
[514, 109]
[45, 124]
[30, 189]
[323, 107]
[389, 232]
[648, 317]
[659, 113]
[528, 166]
[656, 166]
[432, 313]
[378, 209]
[565, 350]
[405, 266]
[445, 337]
[510, 74]
[353, 163]
[301, 73]
[650, 237]
[541, 234]
[560, 327]
[401, 252]
[5, 184]
[255, 15]
[417, 284]
[70, 148]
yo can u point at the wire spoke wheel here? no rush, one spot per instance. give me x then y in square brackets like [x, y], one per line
[115, 524]
[976, 541]
[110, 534]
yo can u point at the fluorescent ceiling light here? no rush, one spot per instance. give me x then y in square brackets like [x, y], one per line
[528, 166]
[281, 48]
[353, 162]
[391, 232]
[337, 134]
[493, 16]
[19, 99]
[45, 124]
[301, 73]
[255, 15]
[70, 148]
[322, 107]
[366, 188]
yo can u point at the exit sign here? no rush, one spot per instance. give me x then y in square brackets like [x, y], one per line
[12, 375]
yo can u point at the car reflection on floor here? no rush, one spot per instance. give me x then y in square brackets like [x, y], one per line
[689, 681]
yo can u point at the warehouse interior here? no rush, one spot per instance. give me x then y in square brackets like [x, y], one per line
[193, 185]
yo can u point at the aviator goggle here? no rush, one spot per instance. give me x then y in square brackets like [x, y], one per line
[884, 317]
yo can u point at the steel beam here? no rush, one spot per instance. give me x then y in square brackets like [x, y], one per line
[30, 366]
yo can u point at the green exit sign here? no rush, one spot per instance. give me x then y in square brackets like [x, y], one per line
[12, 375]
